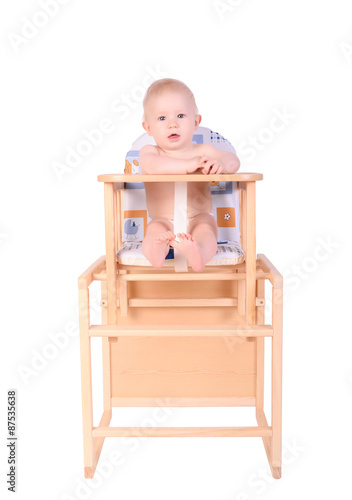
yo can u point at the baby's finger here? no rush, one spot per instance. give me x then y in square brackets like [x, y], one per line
[207, 166]
[213, 169]
[217, 168]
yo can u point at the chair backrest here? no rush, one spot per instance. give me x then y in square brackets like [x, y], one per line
[224, 194]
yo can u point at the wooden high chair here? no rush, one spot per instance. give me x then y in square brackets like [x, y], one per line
[182, 339]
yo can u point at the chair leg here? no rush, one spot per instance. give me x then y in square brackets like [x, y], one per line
[106, 353]
[276, 403]
[260, 349]
[123, 297]
[241, 297]
[86, 381]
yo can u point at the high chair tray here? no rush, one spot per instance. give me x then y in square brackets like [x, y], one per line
[243, 177]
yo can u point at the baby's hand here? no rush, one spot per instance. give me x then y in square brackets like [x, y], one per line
[210, 165]
[192, 164]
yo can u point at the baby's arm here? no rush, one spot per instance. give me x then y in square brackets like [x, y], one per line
[215, 161]
[152, 162]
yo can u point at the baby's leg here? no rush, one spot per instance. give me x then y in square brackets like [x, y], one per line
[155, 245]
[200, 244]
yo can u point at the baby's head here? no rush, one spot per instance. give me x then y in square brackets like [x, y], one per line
[170, 103]
[167, 85]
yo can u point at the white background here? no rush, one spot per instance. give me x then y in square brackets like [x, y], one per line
[246, 62]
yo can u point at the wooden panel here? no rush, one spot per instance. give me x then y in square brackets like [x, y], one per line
[183, 367]
[181, 315]
[182, 290]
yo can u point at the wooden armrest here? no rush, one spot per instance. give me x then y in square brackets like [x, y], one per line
[276, 280]
[86, 278]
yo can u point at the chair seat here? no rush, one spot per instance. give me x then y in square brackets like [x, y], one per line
[228, 253]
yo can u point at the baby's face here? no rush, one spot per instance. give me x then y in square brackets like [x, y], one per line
[171, 119]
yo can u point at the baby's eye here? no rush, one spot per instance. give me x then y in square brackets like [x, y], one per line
[181, 115]
[162, 118]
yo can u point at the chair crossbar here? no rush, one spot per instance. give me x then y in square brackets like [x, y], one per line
[187, 277]
[182, 432]
[180, 331]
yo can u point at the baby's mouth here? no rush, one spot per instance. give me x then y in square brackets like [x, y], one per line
[173, 136]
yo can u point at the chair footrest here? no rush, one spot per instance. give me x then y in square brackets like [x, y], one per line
[180, 331]
[182, 432]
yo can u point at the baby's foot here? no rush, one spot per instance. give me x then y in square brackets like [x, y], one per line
[160, 248]
[188, 247]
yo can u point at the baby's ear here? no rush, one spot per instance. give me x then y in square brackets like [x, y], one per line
[146, 127]
[198, 120]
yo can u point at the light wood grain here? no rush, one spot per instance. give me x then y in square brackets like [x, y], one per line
[182, 431]
[182, 339]
[180, 331]
[242, 177]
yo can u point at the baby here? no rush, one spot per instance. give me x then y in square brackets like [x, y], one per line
[171, 117]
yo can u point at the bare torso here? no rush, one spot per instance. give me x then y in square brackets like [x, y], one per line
[160, 195]
[160, 199]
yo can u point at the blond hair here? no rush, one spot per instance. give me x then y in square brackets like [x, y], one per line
[160, 86]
